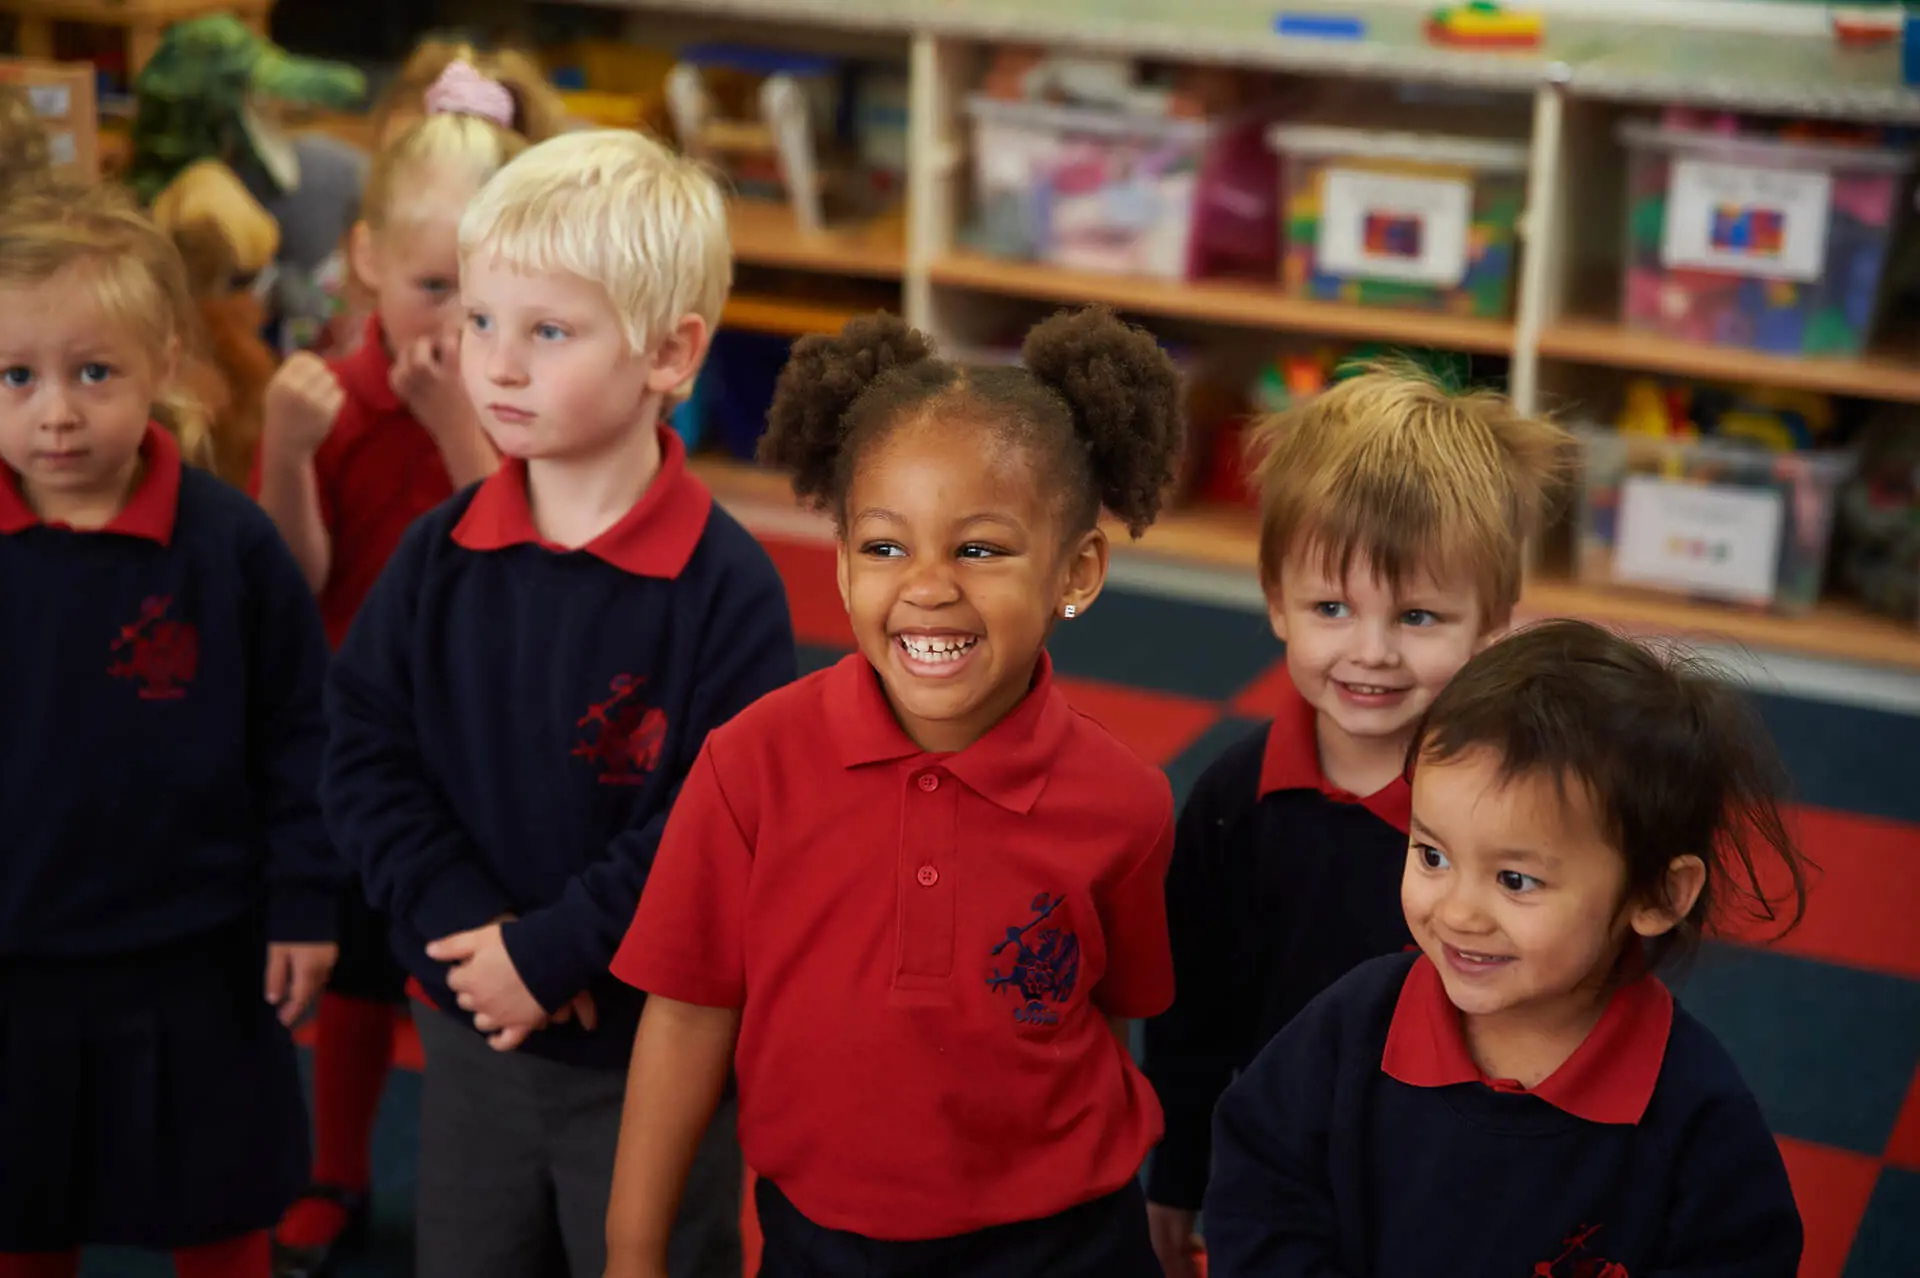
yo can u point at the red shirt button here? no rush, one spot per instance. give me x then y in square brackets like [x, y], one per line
[928, 876]
[929, 782]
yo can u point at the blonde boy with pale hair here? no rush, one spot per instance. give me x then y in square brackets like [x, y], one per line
[1393, 516]
[528, 684]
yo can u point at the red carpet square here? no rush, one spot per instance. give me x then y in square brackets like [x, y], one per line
[1832, 1187]
[1157, 725]
[1861, 904]
[812, 591]
[1903, 1147]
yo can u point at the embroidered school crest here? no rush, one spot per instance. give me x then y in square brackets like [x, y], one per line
[1046, 964]
[159, 653]
[1575, 1262]
[624, 734]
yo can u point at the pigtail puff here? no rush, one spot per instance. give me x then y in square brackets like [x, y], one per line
[1124, 394]
[812, 413]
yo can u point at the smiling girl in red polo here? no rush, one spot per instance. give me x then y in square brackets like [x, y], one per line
[913, 898]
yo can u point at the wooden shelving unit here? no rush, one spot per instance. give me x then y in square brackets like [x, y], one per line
[766, 235]
[783, 316]
[1230, 302]
[1892, 377]
[1228, 540]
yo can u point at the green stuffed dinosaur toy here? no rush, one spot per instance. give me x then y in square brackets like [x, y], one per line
[210, 92]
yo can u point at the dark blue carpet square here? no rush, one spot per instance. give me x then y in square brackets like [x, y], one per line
[1848, 758]
[1884, 1247]
[1195, 759]
[1830, 1051]
[1195, 650]
[816, 656]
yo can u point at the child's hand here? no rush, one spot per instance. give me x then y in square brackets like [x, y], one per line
[426, 376]
[1172, 1231]
[301, 403]
[581, 1009]
[486, 983]
[296, 973]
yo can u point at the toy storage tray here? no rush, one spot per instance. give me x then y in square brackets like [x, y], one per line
[1410, 220]
[1739, 241]
[1087, 189]
[1706, 518]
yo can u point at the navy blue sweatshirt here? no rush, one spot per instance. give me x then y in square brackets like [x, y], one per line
[511, 721]
[163, 733]
[1365, 1143]
[1280, 885]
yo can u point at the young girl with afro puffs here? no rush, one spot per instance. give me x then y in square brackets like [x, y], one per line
[913, 899]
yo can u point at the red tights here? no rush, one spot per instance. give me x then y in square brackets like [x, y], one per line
[248, 1256]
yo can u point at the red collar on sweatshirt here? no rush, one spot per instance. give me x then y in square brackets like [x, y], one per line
[1292, 762]
[149, 512]
[654, 539]
[1608, 1079]
[1008, 766]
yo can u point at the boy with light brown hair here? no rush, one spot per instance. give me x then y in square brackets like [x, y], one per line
[1394, 513]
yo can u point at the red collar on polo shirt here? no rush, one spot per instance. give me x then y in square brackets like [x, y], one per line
[1608, 1079]
[149, 512]
[654, 539]
[366, 372]
[1008, 766]
[1292, 762]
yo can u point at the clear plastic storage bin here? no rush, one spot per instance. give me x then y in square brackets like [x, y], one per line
[1706, 518]
[1775, 246]
[1400, 219]
[1087, 189]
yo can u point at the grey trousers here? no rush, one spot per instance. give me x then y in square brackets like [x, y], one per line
[516, 1166]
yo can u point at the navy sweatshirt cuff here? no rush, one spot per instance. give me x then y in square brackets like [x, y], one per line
[460, 897]
[555, 956]
[302, 915]
[1178, 1175]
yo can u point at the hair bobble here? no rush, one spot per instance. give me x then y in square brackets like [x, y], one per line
[461, 90]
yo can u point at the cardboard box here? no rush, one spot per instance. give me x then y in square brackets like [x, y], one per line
[63, 98]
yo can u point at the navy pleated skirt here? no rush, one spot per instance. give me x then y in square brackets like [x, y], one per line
[148, 1099]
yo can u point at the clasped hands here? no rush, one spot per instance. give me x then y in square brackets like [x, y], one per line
[485, 982]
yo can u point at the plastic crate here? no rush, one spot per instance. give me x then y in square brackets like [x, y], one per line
[1775, 246]
[1706, 518]
[1411, 220]
[1087, 189]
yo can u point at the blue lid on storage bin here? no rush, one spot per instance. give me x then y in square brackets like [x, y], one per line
[757, 59]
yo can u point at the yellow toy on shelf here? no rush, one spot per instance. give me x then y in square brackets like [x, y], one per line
[1484, 25]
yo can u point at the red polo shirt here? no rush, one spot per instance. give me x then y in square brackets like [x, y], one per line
[1292, 762]
[925, 949]
[377, 472]
[1608, 1079]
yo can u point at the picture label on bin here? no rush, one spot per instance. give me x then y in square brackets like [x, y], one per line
[1389, 226]
[1749, 221]
[1707, 539]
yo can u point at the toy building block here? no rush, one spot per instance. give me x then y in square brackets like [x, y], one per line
[1485, 25]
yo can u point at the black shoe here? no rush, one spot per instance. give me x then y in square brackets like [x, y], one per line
[312, 1262]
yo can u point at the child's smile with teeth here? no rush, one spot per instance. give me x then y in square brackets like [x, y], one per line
[937, 648]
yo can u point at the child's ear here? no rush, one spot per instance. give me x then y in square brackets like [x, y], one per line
[677, 355]
[1086, 572]
[361, 255]
[1686, 879]
[1276, 611]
